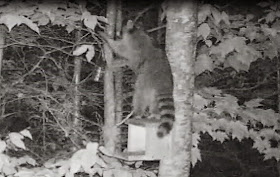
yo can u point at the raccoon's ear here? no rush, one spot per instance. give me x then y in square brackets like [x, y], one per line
[129, 27]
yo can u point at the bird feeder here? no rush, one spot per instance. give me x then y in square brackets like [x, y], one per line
[143, 143]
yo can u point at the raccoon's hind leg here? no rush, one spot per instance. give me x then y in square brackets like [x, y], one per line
[139, 106]
[153, 108]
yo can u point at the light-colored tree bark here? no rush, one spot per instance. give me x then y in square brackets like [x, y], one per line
[75, 121]
[77, 79]
[112, 83]
[180, 47]
[109, 128]
[118, 82]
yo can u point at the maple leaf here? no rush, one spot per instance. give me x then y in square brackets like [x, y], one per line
[203, 30]
[12, 20]
[236, 64]
[267, 117]
[269, 134]
[88, 49]
[195, 139]
[225, 17]
[227, 103]
[276, 41]
[271, 50]
[276, 25]
[269, 31]
[270, 17]
[204, 12]
[219, 136]
[196, 155]
[272, 152]
[17, 140]
[3, 146]
[239, 130]
[202, 126]
[200, 102]
[261, 145]
[254, 103]
[219, 124]
[216, 15]
[203, 63]
[251, 32]
[40, 19]
[90, 21]
[243, 57]
[228, 45]
[86, 158]
[209, 92]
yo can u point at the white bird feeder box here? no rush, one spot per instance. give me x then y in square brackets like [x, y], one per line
[143, 143]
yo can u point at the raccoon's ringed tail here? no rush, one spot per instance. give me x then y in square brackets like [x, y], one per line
[166, 108]
[164, 128]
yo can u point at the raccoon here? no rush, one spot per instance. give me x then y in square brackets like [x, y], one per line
[153, 88]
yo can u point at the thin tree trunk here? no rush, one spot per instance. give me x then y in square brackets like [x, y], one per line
[278, 82]
[109, 129]
[180, 47]
[77, 98]
[278, 93]
[2, 43]
[77, 79]
[118, 82]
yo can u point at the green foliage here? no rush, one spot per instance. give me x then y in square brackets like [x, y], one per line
[34, 14]
[38, 72]
[88, 49]
[43, 85]
[88, 161]
[14, 141]
[236, 40]
[223, 118]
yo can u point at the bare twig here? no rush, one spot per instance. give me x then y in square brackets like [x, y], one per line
[156, 28]
[125, 119]
[143, 11]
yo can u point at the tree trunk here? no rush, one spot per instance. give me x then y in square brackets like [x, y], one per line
[118, 82]
[77, 79]
[276, 43]
[278, 96]
[180, 47]
[2, 43]
[74, 119]
[112, 85]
